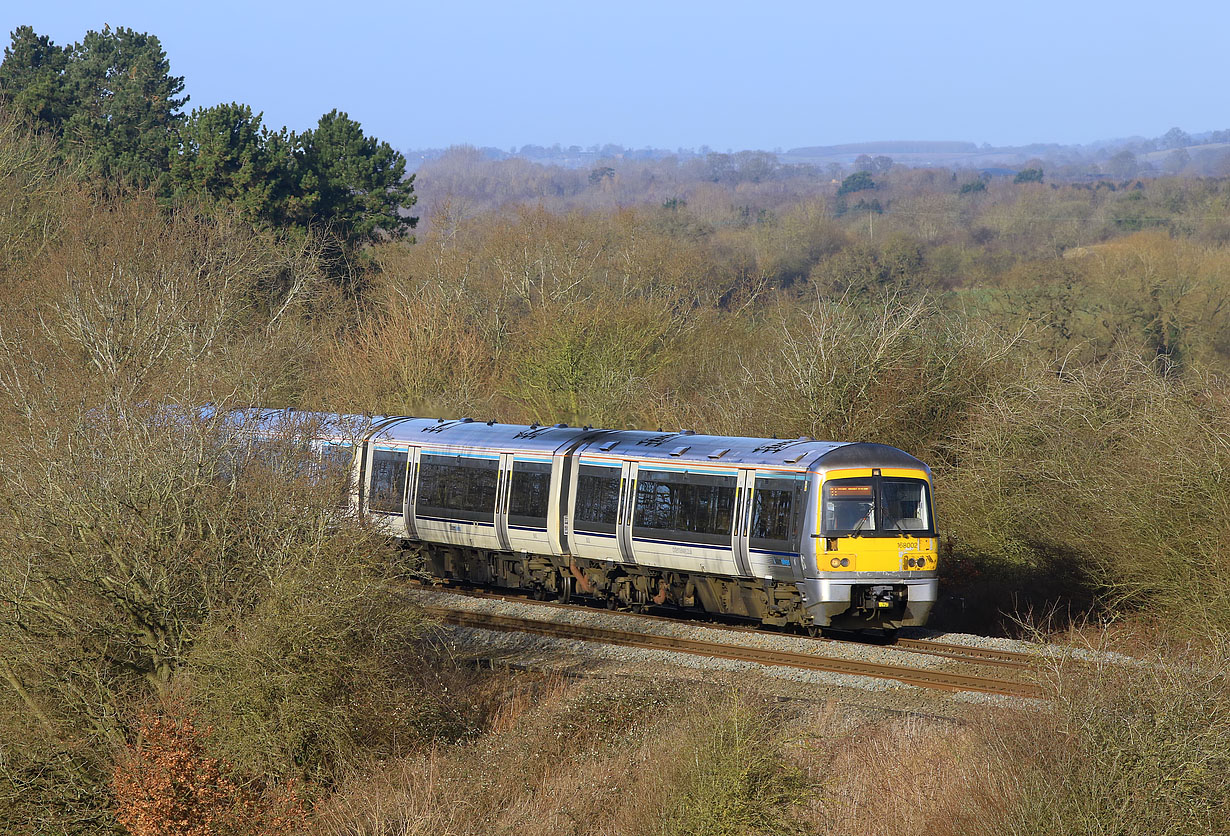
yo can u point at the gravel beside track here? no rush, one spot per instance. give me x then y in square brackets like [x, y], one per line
[543, 651]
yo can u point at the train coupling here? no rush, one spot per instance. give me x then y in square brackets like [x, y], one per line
[880, 597]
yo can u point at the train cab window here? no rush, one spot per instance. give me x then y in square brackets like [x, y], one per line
[597, 499]
[905, 505]
[531, 494]
[457, 487]
[388, 481]
[776, 508]
[849, 505]
[688, 507]
[887, 506]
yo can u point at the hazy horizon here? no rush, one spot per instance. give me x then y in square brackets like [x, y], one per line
[782, 75]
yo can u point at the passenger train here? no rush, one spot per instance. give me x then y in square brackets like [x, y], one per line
[782, 531]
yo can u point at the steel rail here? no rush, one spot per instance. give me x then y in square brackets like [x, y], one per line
[981, 655]
[942, 680]
[991, 657]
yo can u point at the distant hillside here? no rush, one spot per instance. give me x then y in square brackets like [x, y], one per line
[884, 147]
[1201, 154]
[921, 154]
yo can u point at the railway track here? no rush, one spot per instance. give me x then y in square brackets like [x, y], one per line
[942, 680]
[966, 653]
[983, 656]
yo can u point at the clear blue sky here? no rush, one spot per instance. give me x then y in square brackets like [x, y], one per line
[730, 75]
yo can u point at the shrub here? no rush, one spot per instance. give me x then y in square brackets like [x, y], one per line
[168, 785]
[1125, 749]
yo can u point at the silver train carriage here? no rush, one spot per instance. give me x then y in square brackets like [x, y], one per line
[802, 532]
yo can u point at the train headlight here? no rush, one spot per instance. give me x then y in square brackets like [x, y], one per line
[845, 561]
[835, 562]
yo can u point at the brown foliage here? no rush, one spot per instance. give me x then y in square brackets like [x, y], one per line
[1116, 470]
[167, 784]
[587, 758]
[1126, 747]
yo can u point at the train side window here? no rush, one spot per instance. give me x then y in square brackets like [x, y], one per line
[336, 461]
[597, 502]
[388, 480]
[688, 507]
[457, 487]
[531, 493]
[776, 508]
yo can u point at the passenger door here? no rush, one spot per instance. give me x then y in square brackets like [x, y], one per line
[627, 507]
[743, 520]
[503, 486]
[412, 490]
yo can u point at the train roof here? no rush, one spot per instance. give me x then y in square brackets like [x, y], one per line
[683, 446]
[272, 422]
[687, 446]
[468, 433]
[680, 446]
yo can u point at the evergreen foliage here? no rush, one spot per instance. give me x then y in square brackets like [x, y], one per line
[226, 154]
[857, 182]
[351, 181]
[111, 102]
[32, 77]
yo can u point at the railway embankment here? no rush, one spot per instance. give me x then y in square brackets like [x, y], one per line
[576, 639]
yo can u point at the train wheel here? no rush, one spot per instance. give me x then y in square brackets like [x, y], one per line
[565, 592]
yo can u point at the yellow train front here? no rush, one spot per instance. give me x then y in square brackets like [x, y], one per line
[872, 563]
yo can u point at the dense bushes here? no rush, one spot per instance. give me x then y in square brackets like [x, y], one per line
[143, 572]
[1116, 467]
[1072, 402]
[1127, 749]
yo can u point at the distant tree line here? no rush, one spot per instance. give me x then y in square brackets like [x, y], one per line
[113, 106]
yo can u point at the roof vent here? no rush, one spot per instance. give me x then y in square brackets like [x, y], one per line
[679, 451]
[561, 426]
[467, 420]
[717, 454]
[687, 432]
[607, 446]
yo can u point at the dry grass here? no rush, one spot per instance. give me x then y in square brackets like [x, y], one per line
[573, 758]
[603, 758]
[1138, 748]
[897, 775]
[1120, 749]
